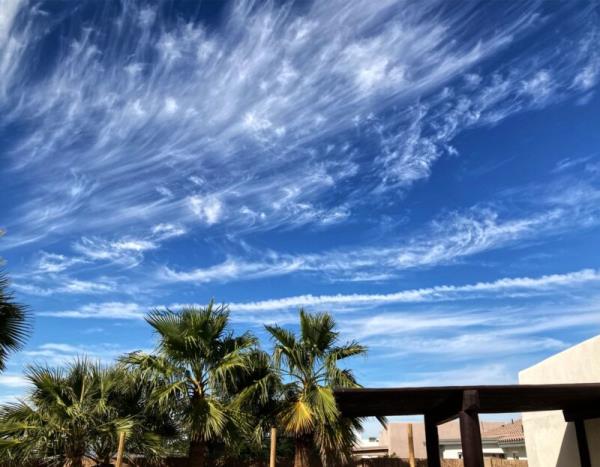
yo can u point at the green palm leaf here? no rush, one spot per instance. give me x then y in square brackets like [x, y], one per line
[14, 322]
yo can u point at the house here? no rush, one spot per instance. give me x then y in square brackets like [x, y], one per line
[369, 448]
[500, 439]
[505, 441]
[550, 439]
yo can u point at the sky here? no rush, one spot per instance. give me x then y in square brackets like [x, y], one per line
[428, 172]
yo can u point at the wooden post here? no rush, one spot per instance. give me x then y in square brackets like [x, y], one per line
[470, 436]
[411, 446]
[120, 450]
[470, 431]
[582, 444]
[273, 447]
[432, 442]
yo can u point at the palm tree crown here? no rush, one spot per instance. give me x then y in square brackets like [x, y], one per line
[309, 362]
[72, 414]
[194, 370]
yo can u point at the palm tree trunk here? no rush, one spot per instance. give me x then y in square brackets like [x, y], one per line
[197, 454]
[75, 462]
[302, 452]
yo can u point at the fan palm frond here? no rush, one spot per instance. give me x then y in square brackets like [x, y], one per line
[14, 322]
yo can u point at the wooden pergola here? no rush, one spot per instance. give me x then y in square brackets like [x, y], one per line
[578, 402]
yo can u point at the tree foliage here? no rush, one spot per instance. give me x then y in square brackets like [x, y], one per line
[77, 413]
[204, 392]
[308, 362]
[196, 371]
[14, 322]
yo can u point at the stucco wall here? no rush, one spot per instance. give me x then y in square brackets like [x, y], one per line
[396, 438]
[550, 441]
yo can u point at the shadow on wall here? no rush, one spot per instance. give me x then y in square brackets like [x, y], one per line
[568, 456]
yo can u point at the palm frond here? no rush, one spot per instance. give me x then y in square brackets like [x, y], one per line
[322, 403]
[317, 331]
[297, 417]
[282, 337]
[14, 322]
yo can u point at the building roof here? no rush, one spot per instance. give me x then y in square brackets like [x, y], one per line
[508, 433]
[450, 431]
[360, 449]
[395, 437]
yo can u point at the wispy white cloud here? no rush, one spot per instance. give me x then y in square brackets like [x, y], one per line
[104, 310]
[164, 231]
[476, 331]
[8, 11]
[495, 373]
[405, 323]
[53, 263]
[60, 285]
[446, 240]
[59, 353]
[451, 238]
[55, 274]
[256, 129]
[12, 381]
[437, 293]
[232, 269]
[208, 209]
[587, 77]
[465, 346]
[124, 251]
[11, 43]
[247, 311]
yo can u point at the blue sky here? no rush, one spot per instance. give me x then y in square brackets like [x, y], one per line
[429, 173]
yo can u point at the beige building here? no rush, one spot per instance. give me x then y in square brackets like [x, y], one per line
[550, 440]
[500, 439]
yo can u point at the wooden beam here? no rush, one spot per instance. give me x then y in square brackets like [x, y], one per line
[582, 443]
[432, 442]
[470, 431]
[446, 401]
[585, 413]
[449, 414]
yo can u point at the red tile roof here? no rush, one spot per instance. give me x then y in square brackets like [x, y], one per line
[451, 430]
[507, 433]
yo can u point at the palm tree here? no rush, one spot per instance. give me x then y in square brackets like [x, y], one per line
[194, 372]
[72, 414]
[257, 397]
[309, 364]
[14, 325]
[152, 431]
